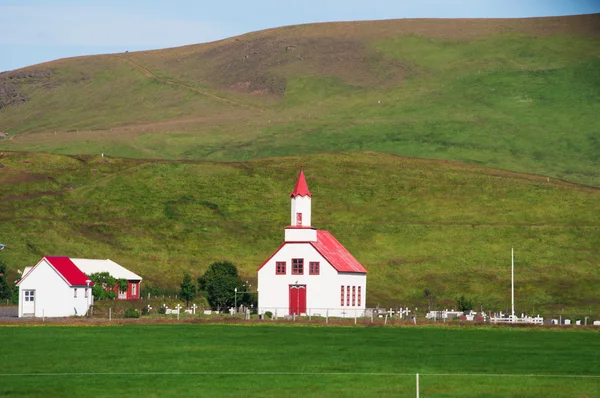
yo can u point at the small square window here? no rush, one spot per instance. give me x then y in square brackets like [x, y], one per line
[297, 266]
[280, 268]
[313, 268]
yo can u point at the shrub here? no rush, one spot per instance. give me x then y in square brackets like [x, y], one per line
[162, 310]
[131, 313]
[268, 315]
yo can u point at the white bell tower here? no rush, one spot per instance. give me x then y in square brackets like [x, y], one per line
[300, 229]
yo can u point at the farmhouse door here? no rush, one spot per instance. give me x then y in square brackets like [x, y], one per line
[28, 302]
[297, 299]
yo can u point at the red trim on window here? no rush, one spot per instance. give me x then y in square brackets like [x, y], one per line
[297, 266]
[314, 268]
[354, 296]
[359, 296]
[342, 297]
[280, 268]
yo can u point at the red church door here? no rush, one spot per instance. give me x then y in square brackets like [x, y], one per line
[297, 299]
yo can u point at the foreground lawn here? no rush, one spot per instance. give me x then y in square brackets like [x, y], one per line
[272, 361]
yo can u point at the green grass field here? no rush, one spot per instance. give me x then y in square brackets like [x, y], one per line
[274, 361]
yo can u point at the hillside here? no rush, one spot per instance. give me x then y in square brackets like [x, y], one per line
[514, 94]
[415, 224]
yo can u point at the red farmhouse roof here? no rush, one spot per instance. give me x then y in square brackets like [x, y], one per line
[336, 254]
[301, 188]
[68, 270]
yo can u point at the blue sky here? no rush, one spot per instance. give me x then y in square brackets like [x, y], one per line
[34, 31]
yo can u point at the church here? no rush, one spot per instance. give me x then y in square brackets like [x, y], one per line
[311, 273]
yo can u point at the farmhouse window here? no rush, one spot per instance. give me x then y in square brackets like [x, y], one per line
[353, 296]
[313, 268]
[280, 268]
[359, 296]
[342, 297]
[75, 293]
[133, 289]
[297, 266]
[348, 295]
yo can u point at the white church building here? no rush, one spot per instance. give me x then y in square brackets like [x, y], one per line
[311, 272]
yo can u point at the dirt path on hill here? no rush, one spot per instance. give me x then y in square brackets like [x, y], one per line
[151, 75]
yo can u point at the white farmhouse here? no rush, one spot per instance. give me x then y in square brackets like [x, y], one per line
[311, 272]
[54, 287]
[60, 286]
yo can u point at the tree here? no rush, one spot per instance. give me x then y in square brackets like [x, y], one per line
[5, 286]
[103, 286]
[220, 281]
[187, 289]
[430, 297]
[464, 304]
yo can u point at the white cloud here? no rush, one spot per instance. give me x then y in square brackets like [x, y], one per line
[99, 26]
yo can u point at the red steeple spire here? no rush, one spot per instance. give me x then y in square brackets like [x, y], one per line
[301, 188]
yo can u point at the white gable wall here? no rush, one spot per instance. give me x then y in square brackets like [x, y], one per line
[53, 295]
[322, 291]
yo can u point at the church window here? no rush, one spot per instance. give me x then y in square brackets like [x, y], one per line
[280, 267]
[313, 268]
[299, 219]
[297, 266]
[342, 296]
[359, 296]
[348, 295]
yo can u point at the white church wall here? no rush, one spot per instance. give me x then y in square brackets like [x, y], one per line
[301, 204]
[300, 235]
[322, 291]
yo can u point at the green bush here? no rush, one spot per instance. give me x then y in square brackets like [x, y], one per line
[131, 313]
[268, 315]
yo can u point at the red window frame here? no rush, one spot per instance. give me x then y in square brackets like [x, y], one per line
[348, 296]
[342, 297]
[280, 268]
[297, 266]
[299, 219]
[353, 296]
[314, 268]
[359, 296]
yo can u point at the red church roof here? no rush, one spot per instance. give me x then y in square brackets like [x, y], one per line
[336, 254]
[301, 188]
[332, 251]
[69, 271]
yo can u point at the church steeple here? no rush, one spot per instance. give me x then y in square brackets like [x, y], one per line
[300, 227]
[301, 188]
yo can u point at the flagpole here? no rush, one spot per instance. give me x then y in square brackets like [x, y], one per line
[512, 255]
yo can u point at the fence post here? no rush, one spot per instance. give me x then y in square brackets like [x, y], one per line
[109, 314]
[417, 385]
[355, 317]
[327, 316]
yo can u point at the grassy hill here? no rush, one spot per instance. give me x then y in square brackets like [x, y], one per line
[415, 224]
[514, 94]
